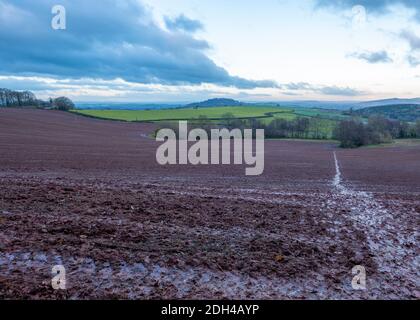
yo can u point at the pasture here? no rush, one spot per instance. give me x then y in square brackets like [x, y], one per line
[214, 113]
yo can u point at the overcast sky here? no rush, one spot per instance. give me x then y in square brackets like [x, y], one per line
[187, 50]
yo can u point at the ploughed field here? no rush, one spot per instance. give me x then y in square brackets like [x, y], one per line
[89, 195]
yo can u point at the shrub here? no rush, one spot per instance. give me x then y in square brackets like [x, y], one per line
[351, 134]
[63, 103]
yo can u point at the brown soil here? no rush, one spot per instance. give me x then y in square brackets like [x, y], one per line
[88, 194]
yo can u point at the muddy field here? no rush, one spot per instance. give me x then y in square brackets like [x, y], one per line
[89, 195]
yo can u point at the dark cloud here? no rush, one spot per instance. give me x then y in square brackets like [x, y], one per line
[183, 23]
[373, 6]
[104, 39]
[373, 57]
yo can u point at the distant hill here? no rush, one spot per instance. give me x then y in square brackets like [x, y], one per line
[218, 102]
[404, 112]
[346, 105]
[387, 102]
[336, 105]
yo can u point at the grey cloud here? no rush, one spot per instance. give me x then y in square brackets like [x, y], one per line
[414, 42]
[413, 61]
[338, 91]
[412, 39]
[183, 23]
[326, 90]
[373, 57]
[298, 86]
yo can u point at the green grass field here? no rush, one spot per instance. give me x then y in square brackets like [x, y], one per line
[325, 122]
[335, 115]
[188, 113]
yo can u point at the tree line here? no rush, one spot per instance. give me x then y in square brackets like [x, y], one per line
[298, 128]
[9, 98]
[351, 133]
[278, 128]
[16, 99]
[355, 132]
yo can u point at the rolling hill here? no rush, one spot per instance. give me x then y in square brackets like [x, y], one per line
[218, 102]
[387, 102]
[403, 112]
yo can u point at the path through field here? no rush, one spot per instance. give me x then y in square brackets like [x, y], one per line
[395, 253]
